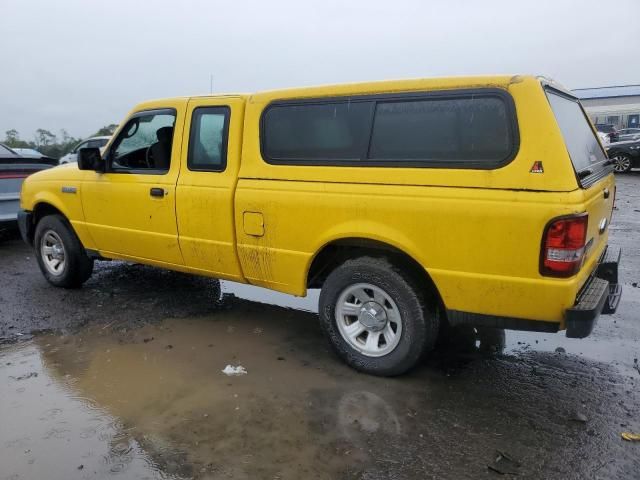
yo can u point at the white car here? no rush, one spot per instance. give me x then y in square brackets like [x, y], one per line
[604, 139]
[93, 142]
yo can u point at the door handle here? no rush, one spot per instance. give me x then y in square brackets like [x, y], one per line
[605, 193]
[157, 192]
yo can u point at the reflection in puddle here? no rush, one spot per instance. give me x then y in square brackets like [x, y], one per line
[49, 432]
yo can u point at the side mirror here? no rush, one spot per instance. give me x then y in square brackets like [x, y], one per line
[90, 159]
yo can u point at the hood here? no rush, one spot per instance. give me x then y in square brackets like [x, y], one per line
[69, 171]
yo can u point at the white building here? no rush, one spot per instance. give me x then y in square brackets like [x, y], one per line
[619, 105]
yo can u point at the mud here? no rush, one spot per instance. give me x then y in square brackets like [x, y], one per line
[123, 379]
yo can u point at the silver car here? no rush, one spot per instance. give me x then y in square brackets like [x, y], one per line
[628, 134]
[13, 170]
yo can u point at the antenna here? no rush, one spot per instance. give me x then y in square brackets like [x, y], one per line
[211, 83]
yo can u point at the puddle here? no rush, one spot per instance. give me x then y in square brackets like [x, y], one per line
[50, 430]
[153, 402]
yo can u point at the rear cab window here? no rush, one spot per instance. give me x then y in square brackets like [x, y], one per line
[208, 139]
[452, 129]
[587, 156]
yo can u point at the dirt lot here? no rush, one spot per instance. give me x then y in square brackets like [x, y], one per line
[124, 378]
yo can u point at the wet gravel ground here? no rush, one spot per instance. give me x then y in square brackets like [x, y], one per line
[123, 378]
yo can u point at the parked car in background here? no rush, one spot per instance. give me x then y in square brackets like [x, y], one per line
[32, 153]
[93, 142]
[625, 155]
[628, 134]
[609, 129]
[13, 170]
[604, 138]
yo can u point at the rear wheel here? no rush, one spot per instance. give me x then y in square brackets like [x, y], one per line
[61, 257]
[376, 316]
[621, 163]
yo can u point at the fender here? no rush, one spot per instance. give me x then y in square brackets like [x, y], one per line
[70, 209]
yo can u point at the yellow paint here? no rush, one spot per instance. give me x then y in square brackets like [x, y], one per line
[204, 205]
[476, 232]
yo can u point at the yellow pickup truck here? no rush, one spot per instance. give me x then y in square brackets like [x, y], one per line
[412, 204]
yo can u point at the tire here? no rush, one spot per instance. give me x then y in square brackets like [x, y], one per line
[55, 240]
[621, 163]
[393, 298]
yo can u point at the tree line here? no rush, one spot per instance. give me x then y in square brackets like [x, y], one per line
[50, 144]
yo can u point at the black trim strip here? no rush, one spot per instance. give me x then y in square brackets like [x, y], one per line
[95, 254]
[457, 317]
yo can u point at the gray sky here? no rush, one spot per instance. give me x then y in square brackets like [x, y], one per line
[78, 64]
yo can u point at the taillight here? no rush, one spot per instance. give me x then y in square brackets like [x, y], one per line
[6, 174]
[14, 174]
[563, 245]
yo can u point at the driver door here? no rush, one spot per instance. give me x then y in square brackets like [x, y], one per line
[130, 209]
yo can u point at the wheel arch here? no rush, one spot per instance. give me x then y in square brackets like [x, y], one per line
[335, 252]
[46, 201]
[43, 208]
[40, 210]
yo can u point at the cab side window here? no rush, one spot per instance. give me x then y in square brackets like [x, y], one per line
[144, 144]
[208, 139]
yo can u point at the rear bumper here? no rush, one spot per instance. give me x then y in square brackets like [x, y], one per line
[25, 225]
[600, 295]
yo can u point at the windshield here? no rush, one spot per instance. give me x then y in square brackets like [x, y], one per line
[583, 146]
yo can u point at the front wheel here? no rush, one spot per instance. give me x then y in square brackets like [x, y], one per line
[621, 163]
[376, 316]
[61, 257]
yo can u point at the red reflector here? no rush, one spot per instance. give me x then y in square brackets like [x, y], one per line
[563, 246]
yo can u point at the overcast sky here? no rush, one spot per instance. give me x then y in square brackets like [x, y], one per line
[79, 65]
